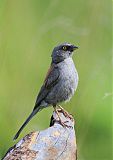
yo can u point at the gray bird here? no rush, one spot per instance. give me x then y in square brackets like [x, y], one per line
[60, 83]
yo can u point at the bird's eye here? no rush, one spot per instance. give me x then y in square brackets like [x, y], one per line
[64, 48]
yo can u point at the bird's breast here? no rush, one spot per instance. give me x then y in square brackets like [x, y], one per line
[68, 78]
[66, 85]
[68, 71]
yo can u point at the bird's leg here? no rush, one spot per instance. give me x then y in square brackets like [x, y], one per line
[55, 109]
[61, 108]
[65, 112]
[60, 121]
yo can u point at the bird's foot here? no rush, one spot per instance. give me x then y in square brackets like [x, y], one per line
[66, 114]
[64, 124]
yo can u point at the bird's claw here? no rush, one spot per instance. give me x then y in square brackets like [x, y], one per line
[66, 114]
[64, 124]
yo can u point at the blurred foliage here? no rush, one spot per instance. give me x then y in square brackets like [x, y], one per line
[29, 29]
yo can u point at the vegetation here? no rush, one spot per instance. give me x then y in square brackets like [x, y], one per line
[29, 30]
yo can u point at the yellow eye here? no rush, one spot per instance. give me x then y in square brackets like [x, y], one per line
[64, 48]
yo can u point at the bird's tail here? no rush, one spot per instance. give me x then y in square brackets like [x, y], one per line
[25, 123]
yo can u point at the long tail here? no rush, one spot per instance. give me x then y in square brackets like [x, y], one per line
[25, 123]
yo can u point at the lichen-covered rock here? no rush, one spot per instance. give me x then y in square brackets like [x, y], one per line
[55, 143]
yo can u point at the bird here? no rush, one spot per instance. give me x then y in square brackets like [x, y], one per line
[60, 82]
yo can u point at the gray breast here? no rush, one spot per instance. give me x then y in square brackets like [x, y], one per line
[67, 84]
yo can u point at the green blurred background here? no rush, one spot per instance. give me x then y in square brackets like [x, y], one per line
[29, 29]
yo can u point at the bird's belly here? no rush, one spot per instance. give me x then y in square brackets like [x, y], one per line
[65, 89]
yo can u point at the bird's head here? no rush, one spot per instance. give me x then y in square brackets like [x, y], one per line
[62, 51]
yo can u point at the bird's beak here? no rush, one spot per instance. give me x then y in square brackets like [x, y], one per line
[74, 47]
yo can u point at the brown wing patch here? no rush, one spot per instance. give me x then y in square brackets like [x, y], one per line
[48, 73]
[51, 79]
[52, 76]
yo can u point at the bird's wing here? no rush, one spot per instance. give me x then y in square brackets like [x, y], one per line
[50, 80]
